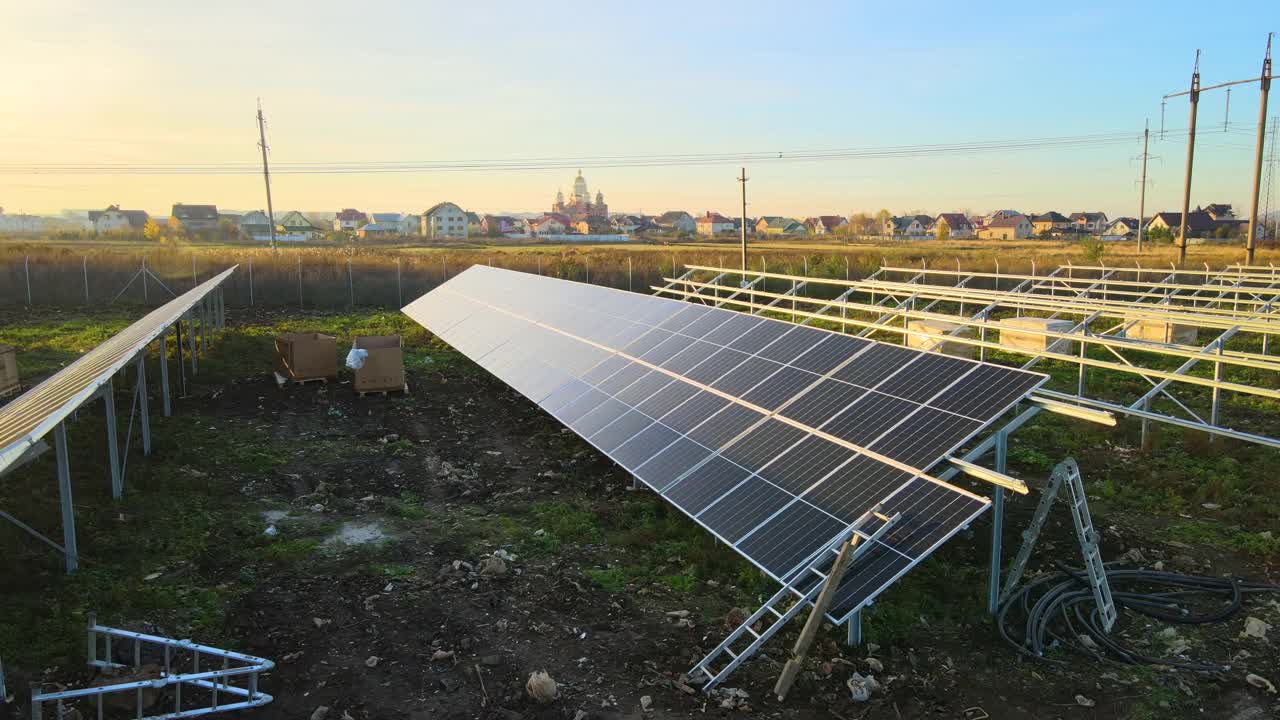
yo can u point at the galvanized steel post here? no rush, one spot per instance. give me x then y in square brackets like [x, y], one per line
[113, 440]
[164, 372]
[64, 498]
[997, 525]
[143, 413]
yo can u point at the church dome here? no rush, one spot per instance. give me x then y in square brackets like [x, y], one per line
[580, 187]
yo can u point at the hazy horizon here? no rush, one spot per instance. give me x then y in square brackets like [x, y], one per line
[93, 85]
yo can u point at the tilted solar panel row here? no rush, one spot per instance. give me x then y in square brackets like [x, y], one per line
[773, 436]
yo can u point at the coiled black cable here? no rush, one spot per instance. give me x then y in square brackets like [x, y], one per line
[1057, 609]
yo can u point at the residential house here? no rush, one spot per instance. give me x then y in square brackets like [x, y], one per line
[549, 224]
[998, 215]
[115, 220]
[593, 225]
[297, 226]
[825, 224]
[1199, 223]
[627, 223]
[1050, 222]
[444, 220]
[713, 223]
[1120, 229]
[349, 220]
[194, 218]
[495, 225]
[1220, 211]
[1089, 222]
[1006, 228]
[473, 222]
[677, 221]
[392, 223]
[774, 225]
[957, 224]
[908, 226]
[255, 225]
[375, 230]
[977, 222]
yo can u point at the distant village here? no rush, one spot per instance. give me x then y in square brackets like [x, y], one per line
[579, 217]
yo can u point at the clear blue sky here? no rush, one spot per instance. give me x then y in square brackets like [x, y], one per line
[176, 82]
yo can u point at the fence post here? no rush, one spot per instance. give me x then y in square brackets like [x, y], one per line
[194, 281]
[26, 269]
[399, 292]
[586, 262]
[250, 281]
[84, 264]
[144, 279]
[445, 264]
[629, 273]
[299, 281]
[351, 285]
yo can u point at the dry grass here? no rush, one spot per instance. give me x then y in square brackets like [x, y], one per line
[332, 276]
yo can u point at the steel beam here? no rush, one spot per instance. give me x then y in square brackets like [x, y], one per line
[144, 414]
[997, 524]
[113, 440]
[164, 373]
[64, 498]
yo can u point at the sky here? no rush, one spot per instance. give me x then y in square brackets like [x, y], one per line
[176, 82]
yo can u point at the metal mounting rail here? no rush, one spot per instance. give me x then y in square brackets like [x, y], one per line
[804, 585]
[206, 690]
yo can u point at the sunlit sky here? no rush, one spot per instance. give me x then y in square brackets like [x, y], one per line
[176, 82]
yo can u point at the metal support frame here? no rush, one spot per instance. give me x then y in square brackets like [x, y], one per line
[65, 499]
[997, 524]
[164, 373]
[229, 682]
[1233, 300]
[113, 440]
[144, 416]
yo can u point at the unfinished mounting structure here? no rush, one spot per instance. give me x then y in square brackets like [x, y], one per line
[156, 665]
[1145, 323]
[51, 405]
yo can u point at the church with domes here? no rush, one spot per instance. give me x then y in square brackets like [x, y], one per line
[579, 205]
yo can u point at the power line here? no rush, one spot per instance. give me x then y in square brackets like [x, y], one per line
[961, 149]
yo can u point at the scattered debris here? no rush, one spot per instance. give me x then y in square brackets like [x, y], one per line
[541, 687]
[1255, 628]
[493, 567]
[1083, 701]
[1261, 683]
[320, 713]
[371, 661]
[439, 655]
[320, 622]
[861, 687]
[875, 665]
[646, 703]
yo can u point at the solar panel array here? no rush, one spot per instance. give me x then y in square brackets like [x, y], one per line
[773, 436]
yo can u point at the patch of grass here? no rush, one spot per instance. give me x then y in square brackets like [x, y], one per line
[408, 506]
[566, 521]
[1221, 536]
[613, 579]
[291, 551]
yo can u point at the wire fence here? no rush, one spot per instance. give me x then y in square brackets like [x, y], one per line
[331, 280]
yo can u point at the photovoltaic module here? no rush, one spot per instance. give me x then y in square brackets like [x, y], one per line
[773, 436]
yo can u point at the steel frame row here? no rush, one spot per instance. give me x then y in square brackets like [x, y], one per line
[201, 313]
[1236, 302]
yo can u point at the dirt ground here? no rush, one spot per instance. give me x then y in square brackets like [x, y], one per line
[378, 596]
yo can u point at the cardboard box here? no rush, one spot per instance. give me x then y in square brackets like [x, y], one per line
[937, 330]
[301, 356]
[8, 368]
[383, 367]
[1163, 332]
[1011, 337]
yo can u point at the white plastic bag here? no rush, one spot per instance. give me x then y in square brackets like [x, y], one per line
[355, 358]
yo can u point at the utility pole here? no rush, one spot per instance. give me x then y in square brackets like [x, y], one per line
[1251, 241]
[1191, 153]
[266, 173]
[1142, 191]
[743, 180]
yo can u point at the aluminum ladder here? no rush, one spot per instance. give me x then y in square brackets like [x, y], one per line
[804, 585]
[1068, 472]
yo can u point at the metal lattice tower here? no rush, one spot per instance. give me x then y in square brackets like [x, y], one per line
[1271, 173]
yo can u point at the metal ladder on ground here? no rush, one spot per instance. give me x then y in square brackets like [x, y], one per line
[804, 585]
[1068, 472]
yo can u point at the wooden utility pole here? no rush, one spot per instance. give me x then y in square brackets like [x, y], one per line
[743, 180]
[1142, 192]
[1194, 93]
[1251, 240]
[816, 617]
[266, 173]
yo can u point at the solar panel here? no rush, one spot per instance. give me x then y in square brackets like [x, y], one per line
[774, 437]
